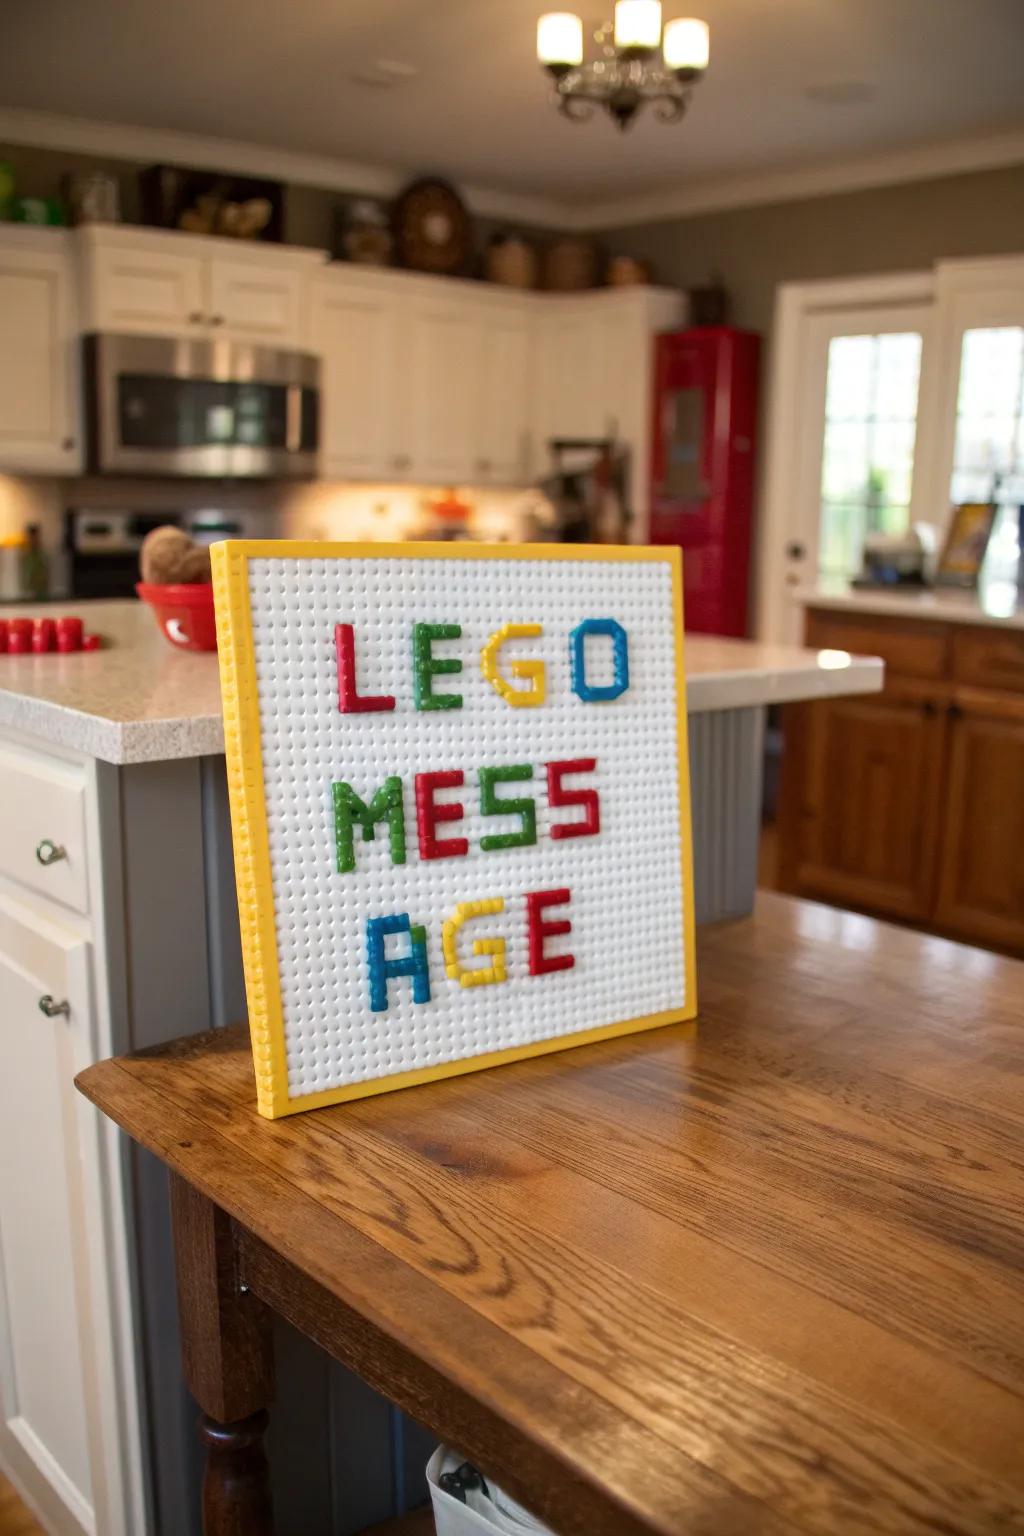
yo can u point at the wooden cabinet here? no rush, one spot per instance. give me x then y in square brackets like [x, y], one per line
[148, 282]
[868, 813]
[981, 879]
[39, 412]
[911, 804]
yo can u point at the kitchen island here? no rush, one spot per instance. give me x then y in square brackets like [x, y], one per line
[117, 900]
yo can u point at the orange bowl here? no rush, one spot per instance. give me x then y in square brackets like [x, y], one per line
[184, 612]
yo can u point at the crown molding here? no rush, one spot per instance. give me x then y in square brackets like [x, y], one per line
[49, 130]
[924, 162]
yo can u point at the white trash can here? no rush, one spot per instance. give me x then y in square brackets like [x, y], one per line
[485, 1513]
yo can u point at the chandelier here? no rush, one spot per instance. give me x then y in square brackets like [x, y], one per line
[639, 62]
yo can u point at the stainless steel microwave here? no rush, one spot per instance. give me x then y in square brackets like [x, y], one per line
[187, 406]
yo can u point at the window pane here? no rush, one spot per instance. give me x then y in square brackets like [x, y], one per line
[868, 452]
[850, 370]
[989, 456]
[892, 460]
[899, 367]
[843, 526]
[844, 474]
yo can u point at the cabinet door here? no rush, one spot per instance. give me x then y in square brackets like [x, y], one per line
[569, 377]
[445, 380]
[38, 380]
[45, 1424]
[860, 801]
[504, 404]
[355, 332]
[981, 879]
[256, 302]
[140, 291]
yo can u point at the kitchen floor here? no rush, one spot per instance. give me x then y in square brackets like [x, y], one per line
[15, 1519]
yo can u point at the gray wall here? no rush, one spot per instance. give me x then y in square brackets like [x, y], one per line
[884, 229]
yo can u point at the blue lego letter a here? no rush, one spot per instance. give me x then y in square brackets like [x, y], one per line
[381, 969]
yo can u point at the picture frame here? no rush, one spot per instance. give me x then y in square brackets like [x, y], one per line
[965, 544]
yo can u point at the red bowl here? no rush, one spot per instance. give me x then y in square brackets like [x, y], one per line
[184, 612]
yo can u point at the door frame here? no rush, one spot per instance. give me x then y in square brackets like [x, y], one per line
[800, 311]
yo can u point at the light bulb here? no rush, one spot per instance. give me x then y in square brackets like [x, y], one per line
[637, 24]
[687, 44]
[560, 40]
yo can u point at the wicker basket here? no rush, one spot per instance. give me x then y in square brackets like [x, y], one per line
[571, 264]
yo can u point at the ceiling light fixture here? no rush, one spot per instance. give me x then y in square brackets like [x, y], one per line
[640, 61]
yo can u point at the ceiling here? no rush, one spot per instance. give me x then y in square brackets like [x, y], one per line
[883, 76]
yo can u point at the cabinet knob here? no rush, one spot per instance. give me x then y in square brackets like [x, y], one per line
[195, 318]
[52, 1009]
[400, 461]
[68, 444]
[483, 466]
[48, 852]
[796, 551]
[216, 319]
[954, 712]
[929, 708]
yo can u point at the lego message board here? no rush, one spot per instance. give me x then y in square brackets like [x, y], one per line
[460, 804]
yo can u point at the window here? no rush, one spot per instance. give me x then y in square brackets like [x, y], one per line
[868, 453]
[988, 457]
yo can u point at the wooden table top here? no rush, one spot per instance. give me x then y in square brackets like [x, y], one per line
[759, 1274]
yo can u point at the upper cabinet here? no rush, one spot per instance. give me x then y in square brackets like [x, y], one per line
[148, 282]
[595, 374]
[455, 382]
[39, 426]
[423, 379]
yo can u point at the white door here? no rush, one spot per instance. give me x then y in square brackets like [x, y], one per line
[503, 440]
[980, 409]
[43, 1271]
[139, 291]
[255, 301]
[842, 449]
[355, 332]
[38, 360]
[445, 377]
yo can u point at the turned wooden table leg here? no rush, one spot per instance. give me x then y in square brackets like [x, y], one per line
[227, 1357]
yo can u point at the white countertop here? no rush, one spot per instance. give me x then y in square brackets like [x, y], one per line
[138, 700]
[997, 604]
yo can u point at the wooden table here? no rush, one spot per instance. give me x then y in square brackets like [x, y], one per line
[758, 1275]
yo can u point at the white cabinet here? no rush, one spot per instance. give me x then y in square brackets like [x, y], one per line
[595, 375]
[44, 1294]
[147, 282]
[568, 398]
[443, 343]
[71, 1435]
[144, 291]
[256, 300]
[39, 371]
[355, 330]
[506, 358]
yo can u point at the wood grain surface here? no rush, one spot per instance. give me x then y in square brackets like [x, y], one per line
[758, 1274]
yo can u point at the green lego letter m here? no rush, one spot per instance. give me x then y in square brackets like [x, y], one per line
[350, 811]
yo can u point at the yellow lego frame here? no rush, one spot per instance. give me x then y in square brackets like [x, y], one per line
[243, 748]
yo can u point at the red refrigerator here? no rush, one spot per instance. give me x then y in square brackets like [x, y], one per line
[702, 467]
